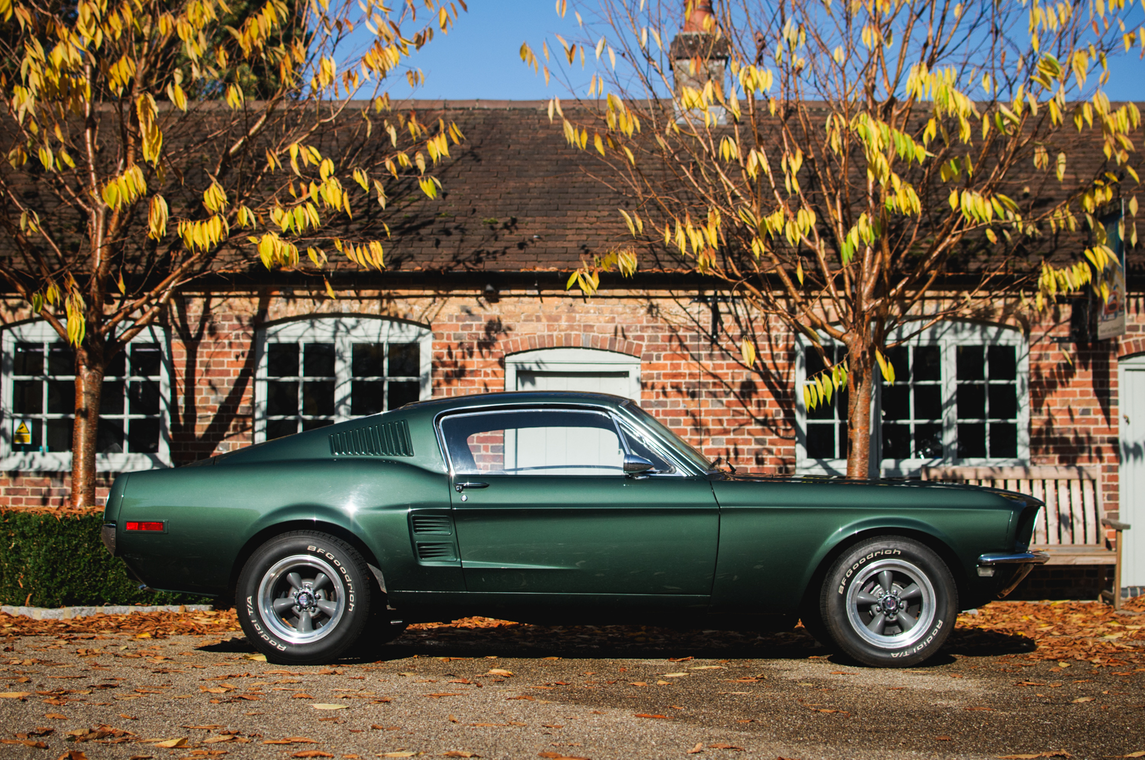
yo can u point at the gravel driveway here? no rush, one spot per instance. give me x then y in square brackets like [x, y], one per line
[576, 693]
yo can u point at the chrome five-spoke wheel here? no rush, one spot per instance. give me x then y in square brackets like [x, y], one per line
[303, 597]
[888, 601]
[891, 603]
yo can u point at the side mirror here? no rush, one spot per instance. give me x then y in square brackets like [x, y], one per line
[634, 465]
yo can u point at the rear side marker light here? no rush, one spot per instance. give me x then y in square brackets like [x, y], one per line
[144, 526]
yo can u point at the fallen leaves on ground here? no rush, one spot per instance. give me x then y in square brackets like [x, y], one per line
[1055, 631]
[157, 624]
[1060, 631]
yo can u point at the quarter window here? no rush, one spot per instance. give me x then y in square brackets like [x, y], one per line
[318, 372]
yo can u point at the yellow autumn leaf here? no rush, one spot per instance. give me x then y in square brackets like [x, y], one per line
[887, 368]
[747, 350]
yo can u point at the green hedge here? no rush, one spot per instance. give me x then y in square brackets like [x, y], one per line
[58, 560]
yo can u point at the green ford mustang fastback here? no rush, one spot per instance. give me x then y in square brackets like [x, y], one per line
[557, 506]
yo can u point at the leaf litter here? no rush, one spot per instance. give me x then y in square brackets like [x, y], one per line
[1044, 631]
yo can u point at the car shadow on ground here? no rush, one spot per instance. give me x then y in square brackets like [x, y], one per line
[595, 642]
[502, 639]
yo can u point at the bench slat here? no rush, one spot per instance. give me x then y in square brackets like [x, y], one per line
[1054, 516]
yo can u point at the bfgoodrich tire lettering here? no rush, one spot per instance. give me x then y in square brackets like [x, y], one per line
[889, 602]
[303, 598]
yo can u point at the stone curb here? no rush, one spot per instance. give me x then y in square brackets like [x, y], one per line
[67, 613]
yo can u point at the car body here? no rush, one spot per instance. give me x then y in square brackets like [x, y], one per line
[557, 506]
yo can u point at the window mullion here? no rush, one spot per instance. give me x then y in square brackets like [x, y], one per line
[343, 373]
[949, 358]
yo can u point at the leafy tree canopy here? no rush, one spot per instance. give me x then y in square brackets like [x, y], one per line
[833, 161]
[152, 142]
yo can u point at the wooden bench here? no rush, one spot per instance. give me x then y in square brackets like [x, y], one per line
[1072, 527]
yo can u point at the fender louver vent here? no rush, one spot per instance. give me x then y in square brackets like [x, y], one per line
[432, 524]
[388, 440]
[435, 552]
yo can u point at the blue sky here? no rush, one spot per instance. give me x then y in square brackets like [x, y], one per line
[479, 58]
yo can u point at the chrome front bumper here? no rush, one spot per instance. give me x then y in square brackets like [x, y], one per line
[1019, 564]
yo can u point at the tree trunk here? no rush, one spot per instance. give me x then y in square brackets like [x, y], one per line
[89, 386]
[860, 376]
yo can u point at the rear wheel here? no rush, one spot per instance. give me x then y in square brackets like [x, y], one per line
[303, 598]
[889, 602]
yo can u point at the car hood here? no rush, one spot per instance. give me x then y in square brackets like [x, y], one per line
[751, 490]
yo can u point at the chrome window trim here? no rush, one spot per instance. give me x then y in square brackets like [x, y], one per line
[683, 469]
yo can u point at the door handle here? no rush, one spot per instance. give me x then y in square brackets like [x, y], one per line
[469, 484]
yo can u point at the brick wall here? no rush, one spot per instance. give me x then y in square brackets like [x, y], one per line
[700, 390]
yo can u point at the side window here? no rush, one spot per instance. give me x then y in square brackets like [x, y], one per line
[549, 442]
[320, 371]
[39, 402]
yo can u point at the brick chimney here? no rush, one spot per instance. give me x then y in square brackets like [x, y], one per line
[699, 52]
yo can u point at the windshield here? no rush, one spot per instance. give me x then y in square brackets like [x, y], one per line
[678, 445]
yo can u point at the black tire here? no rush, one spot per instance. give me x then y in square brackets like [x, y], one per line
[303, 598]
[889, 602]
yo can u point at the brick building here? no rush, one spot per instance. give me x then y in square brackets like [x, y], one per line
[474, 300]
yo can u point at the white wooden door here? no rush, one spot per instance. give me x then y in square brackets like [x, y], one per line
[574, 369]
[593, 381]
[1132, 407]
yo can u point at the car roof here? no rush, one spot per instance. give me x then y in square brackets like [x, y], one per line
[514, 398]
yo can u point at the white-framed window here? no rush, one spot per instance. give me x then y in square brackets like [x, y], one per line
[321, 370]
[38, 400]
[960, 396]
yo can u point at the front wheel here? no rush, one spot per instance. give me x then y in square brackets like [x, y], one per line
[303, 598]
[889, 602]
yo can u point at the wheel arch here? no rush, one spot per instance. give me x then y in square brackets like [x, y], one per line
[928, 539]
[287, 526]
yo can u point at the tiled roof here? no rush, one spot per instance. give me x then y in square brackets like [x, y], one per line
[517, 198]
